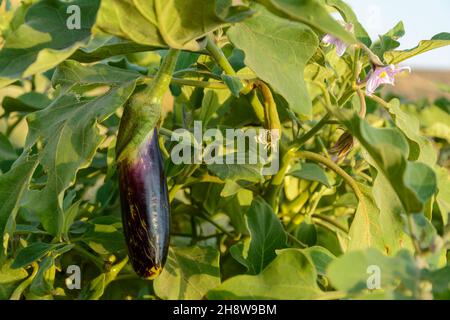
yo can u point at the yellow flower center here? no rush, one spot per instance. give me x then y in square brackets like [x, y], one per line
[383, 74]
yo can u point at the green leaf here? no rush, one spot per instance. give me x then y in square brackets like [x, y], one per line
[69, 126]
[440, 281]
[31, 253]
[320, 258]
[311, 13]
[167, 23]
[95, 289]
[365, 231]
[291, 276]
[443, 196]
[306, 233]
[97, 286]
[43, 40]
[413, 182]
[27, 102]
[234, 172]
[311, 172]
[267, 235]
[273, 44]
[69, 217]
[421, 148]
[211, 102]
[364, 264]
[43, 282]
[71, 73]
[234, 84]
[390, 216]
[8, 275]
[438, 41]
[102, 46]
[7, 151]
[189, 273]
[103, 237]
[13, 184]
[388, 41]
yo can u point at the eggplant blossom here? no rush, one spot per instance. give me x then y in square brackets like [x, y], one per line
[340, 45]
[383, 75]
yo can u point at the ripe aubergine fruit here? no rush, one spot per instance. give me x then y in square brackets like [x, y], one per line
[145, 209]
[143, 187]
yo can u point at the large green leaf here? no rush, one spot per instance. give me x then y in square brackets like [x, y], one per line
[291, 276]
[69, 127]
[311, 13]
[351, 272]
[189, 273]
[414, 182]
[267, 235]
[272, 43]
[43, 40]
[421, 148]
[390, 216]
[161, 23]
[13, 184]
[365, 231]
[438, 41]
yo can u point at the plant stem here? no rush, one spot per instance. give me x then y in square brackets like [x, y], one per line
[380, 101]
[296, 241]
[372, 56]
[218, 56]
[297, 143]
[362, 99]
[330, 221]
[161, 81]
[215, 224]
[333, 166]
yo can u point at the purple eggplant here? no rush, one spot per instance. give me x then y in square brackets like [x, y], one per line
[145, 209]
[143, 187]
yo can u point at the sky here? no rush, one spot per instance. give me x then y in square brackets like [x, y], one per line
[422, 20]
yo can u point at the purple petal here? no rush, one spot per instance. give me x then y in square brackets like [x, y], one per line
[373, 83]
[328, 38]
[341, 47]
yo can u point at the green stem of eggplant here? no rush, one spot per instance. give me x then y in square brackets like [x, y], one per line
[162, 80]
[219, 57]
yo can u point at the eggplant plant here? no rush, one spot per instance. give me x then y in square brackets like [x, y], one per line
[215, 149]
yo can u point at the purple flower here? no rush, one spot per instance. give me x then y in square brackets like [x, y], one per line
[340, 45]
[383, 75]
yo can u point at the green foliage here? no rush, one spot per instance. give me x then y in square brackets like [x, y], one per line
[341, 207]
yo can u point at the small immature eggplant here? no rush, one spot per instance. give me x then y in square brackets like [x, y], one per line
[143, 188]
